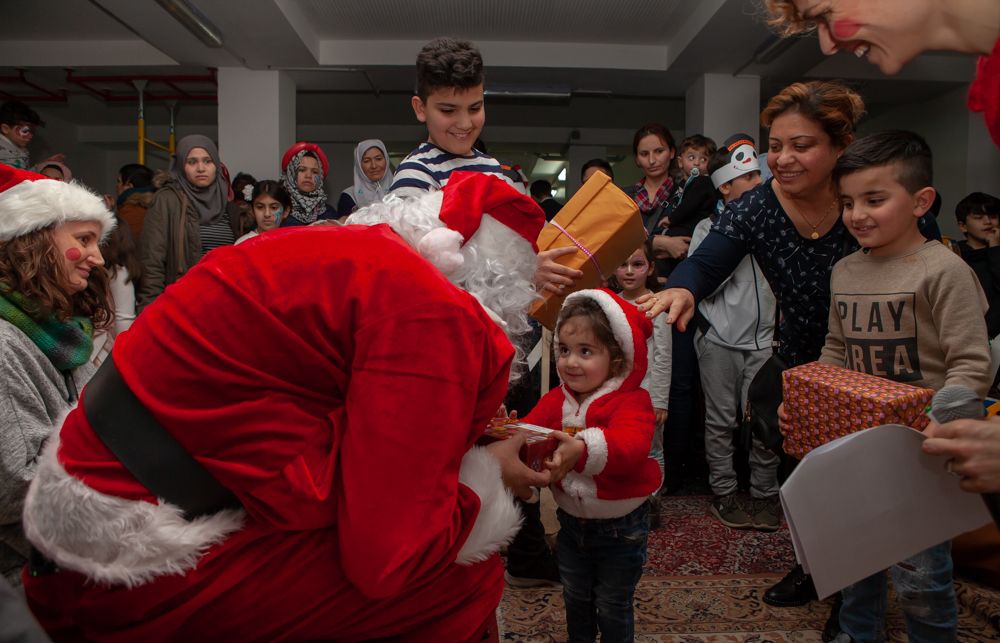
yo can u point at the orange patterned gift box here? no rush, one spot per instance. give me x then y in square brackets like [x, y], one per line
[826, 402]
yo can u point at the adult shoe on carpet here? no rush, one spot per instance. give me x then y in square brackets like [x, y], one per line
[765, 513]
[728, 510]
[794, 590]
[544, 574]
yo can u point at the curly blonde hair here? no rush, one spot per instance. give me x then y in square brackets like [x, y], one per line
[834, 106]
[31, 265]
[785, 19]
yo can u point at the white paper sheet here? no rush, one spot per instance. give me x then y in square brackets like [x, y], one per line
[868, 500]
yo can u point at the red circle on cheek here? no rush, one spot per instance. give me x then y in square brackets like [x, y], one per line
[845, 28]
[73, 254]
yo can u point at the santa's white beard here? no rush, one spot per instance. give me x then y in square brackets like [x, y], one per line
[497, 265]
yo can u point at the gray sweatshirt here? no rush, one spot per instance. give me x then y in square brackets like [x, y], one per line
[741, 311]
[34, 398]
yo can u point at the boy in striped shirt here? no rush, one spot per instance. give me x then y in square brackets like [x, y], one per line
[449, 100]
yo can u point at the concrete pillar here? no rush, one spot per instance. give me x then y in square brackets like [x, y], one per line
[256, 120]
[719, 105]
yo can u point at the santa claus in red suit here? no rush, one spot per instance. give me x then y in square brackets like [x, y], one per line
[334, 381]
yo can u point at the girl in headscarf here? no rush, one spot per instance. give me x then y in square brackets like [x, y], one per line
[303, 170]
[53, 295]
[372, 177]
[190, 215]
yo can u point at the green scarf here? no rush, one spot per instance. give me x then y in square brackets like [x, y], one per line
[67, 344]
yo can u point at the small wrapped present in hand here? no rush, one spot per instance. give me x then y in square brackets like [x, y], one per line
[539, 444]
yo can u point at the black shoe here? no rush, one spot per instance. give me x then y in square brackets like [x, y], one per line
[832, 627]
[794, 590]
[544, 573]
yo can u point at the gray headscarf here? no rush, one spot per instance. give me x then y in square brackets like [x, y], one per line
[210, 201]
[365, 191]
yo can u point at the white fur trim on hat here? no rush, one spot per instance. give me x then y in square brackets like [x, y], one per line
[110, 539]
[443, 248]
[499, 518]
[616, 317]
[33, 205]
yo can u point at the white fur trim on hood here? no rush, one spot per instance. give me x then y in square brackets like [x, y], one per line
[33, 205]
[499, 518]
[109, 539]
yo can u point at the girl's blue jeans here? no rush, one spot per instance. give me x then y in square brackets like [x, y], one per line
[600, 562]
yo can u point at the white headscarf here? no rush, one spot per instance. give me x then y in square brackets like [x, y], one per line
[365, 191]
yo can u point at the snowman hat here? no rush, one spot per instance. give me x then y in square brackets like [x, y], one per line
[742, 152]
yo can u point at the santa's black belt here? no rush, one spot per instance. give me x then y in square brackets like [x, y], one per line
[147, 450]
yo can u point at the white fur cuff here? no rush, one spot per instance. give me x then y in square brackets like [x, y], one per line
[597, 451]
[109, 539]
[499, 518]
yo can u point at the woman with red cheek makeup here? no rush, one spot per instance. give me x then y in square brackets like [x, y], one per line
[53, 296]
[890, 33]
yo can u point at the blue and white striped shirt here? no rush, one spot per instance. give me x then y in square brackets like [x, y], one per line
[428, 168]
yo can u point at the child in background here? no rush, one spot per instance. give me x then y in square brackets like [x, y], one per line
[907, 309]
[634, 278]
[18, 124]
[270, 204]
[978, 216]
[604, 472]
[735, 331]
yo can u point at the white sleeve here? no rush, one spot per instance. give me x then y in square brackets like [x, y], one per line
[123, 296]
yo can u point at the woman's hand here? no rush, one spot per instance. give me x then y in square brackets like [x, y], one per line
[784, 420]
[973, 447]
[566, 456]
[678, 302]
[661, 416]
[555, 277]
[665, 247]
[517, 476]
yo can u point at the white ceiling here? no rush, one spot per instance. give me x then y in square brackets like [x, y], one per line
[622, 61]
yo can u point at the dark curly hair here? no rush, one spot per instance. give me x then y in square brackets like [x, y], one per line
[446, 62]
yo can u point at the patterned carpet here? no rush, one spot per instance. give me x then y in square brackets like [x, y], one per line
[703, 583]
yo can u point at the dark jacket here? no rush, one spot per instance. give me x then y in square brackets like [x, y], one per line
[985, 262]
[170, 243]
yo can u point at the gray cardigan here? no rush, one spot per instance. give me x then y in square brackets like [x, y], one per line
[34, 398]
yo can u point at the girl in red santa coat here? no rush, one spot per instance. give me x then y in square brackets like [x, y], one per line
[605, 472]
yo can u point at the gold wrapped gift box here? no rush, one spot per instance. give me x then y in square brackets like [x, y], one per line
[603, 223]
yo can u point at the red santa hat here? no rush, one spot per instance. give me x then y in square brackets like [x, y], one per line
[30, 201]
[466, 199]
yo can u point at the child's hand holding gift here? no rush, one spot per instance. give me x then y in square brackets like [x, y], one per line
[566, 456]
